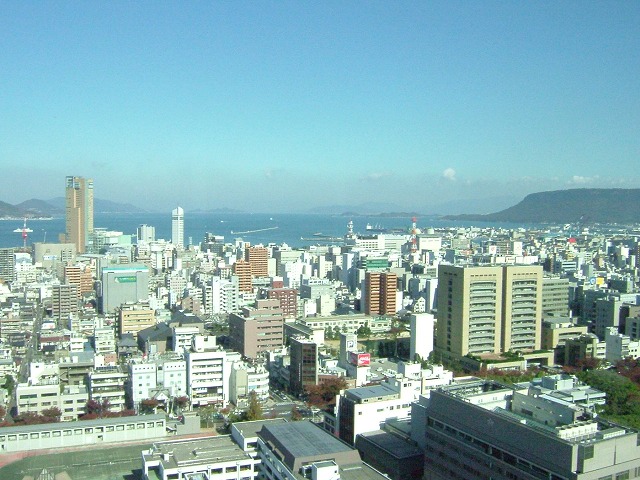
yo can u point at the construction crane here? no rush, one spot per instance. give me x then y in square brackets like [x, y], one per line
[24, 231]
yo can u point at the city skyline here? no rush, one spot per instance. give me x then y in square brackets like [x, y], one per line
[284, 107]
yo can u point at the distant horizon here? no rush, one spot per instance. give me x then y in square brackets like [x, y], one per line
[362, 209]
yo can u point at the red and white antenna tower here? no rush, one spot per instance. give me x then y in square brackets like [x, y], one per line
[24, 230]
[414, 238]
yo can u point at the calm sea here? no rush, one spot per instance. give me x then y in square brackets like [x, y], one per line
[296, 230]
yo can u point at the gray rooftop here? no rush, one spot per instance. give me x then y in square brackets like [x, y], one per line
[217, 449]
[304, 439]
[374, 391]
[298, 443]
[393, 444]
[251, 429]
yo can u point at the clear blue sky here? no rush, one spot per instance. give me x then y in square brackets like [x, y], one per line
[281, 106]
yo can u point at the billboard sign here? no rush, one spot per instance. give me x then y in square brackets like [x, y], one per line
[127, 279]
[360, 359]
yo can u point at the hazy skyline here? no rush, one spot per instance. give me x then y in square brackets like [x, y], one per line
[282, 106]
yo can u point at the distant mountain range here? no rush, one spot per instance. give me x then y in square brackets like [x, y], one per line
[55, 207]
[586, 205]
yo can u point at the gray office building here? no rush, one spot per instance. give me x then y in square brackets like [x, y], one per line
[483, 429]
[123, 284]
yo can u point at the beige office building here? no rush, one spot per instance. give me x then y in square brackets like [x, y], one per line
[488, 309]
[257, 330]
[133, 317]
[79, 211]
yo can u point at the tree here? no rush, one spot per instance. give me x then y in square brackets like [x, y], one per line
[149, 405]
[364, 331]
[181, 402]
[9, 384]
[27, 418]
[588, 363]
[324, 394]
[630, 368]
[622, 394]
[95, 409]
[52, 415]
[254, 410]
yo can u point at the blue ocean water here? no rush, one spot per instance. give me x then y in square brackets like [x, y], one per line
[297, 230]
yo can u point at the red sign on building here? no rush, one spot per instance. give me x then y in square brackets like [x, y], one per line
[360, 359]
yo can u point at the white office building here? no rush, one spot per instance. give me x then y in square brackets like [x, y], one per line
[208, 372]
[177, 227]
[366, 409]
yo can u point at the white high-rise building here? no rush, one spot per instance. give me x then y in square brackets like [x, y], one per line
[177, 227]
[422, 333]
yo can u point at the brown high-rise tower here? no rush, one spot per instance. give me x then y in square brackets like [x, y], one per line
[380, 293]
[79, 212]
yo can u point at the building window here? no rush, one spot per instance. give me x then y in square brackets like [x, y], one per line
[587, 452]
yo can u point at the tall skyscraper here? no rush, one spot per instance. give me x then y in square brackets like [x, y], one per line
[177, 227]
[79, 212]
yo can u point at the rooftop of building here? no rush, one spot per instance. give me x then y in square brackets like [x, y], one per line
[393, 444]
[580, 428]
[159, 331]
[371, 392]
[251, 429]
[301, 444]
[208, 450]
[303, 439]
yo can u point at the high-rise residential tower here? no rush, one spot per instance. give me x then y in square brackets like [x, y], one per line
[258, 257]
[177, 227]
[380, 293]
[79, 212]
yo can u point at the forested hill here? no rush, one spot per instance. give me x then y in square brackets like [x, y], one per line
[590, 205]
